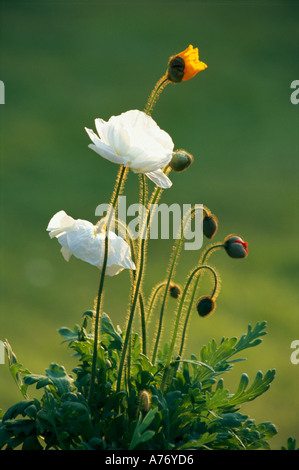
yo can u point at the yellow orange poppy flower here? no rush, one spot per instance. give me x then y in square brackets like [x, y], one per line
[185, 65]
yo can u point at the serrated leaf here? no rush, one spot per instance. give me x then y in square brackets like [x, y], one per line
[252, 337]
[260, 384]
[40, 380]
[59, 377]
[108, 328]
[205, 439]
[16, 369]
[68, 334]
[141, 434]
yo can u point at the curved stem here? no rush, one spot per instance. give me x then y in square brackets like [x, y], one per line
[153, 298]
[190, 304]
[178, 246]
[209, 251]
[203, 259]
[179, 312]
[119, 182]
[159, 87]
[176, 251]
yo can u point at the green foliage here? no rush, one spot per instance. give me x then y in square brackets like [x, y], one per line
[291, 444]
[187, 405]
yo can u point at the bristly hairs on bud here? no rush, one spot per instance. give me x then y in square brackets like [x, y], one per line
[144, 401]
[174, 290]
[181, 160]
[205, 306]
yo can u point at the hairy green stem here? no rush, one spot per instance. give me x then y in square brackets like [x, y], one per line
[119, 183]
[153, 298]
[180, 308]
[142, 310]
[159, 87]
[203, 259]
[176, 251]
[190, 304]
[154, 198]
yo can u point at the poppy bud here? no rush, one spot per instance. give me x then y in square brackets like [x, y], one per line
[174, 291]
[145, 401]
[185, 65]
[210, 225]
[205, 306]
[235, 247]
[180, 161]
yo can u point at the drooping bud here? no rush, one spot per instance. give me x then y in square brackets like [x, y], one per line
[205, 306]
[174, 290]
[181, 160]
[235, 247]
[210, 225]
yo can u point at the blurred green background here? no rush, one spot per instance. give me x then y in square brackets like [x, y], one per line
[65, 64]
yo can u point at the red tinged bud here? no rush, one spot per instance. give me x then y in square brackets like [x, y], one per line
[235, 247]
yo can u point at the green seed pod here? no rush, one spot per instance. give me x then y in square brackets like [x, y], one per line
[235, 247]
[181, 160]
[205, 306]
[210, 225]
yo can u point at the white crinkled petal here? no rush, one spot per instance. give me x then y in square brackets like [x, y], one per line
[83, 245]
[103, 149]
[119, 140]
[66, 253]
[160, 179]
[59, 223]
[119, 254]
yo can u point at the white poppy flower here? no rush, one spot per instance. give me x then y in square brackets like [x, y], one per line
[86, 242]
[133, 139]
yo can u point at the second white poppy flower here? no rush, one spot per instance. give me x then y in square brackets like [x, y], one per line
[86, 242]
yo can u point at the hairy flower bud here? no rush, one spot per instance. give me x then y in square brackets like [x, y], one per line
[174, 290]
[210, 225]
[181, 160]
[205, 306]
[145, 401]
[235, 247]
